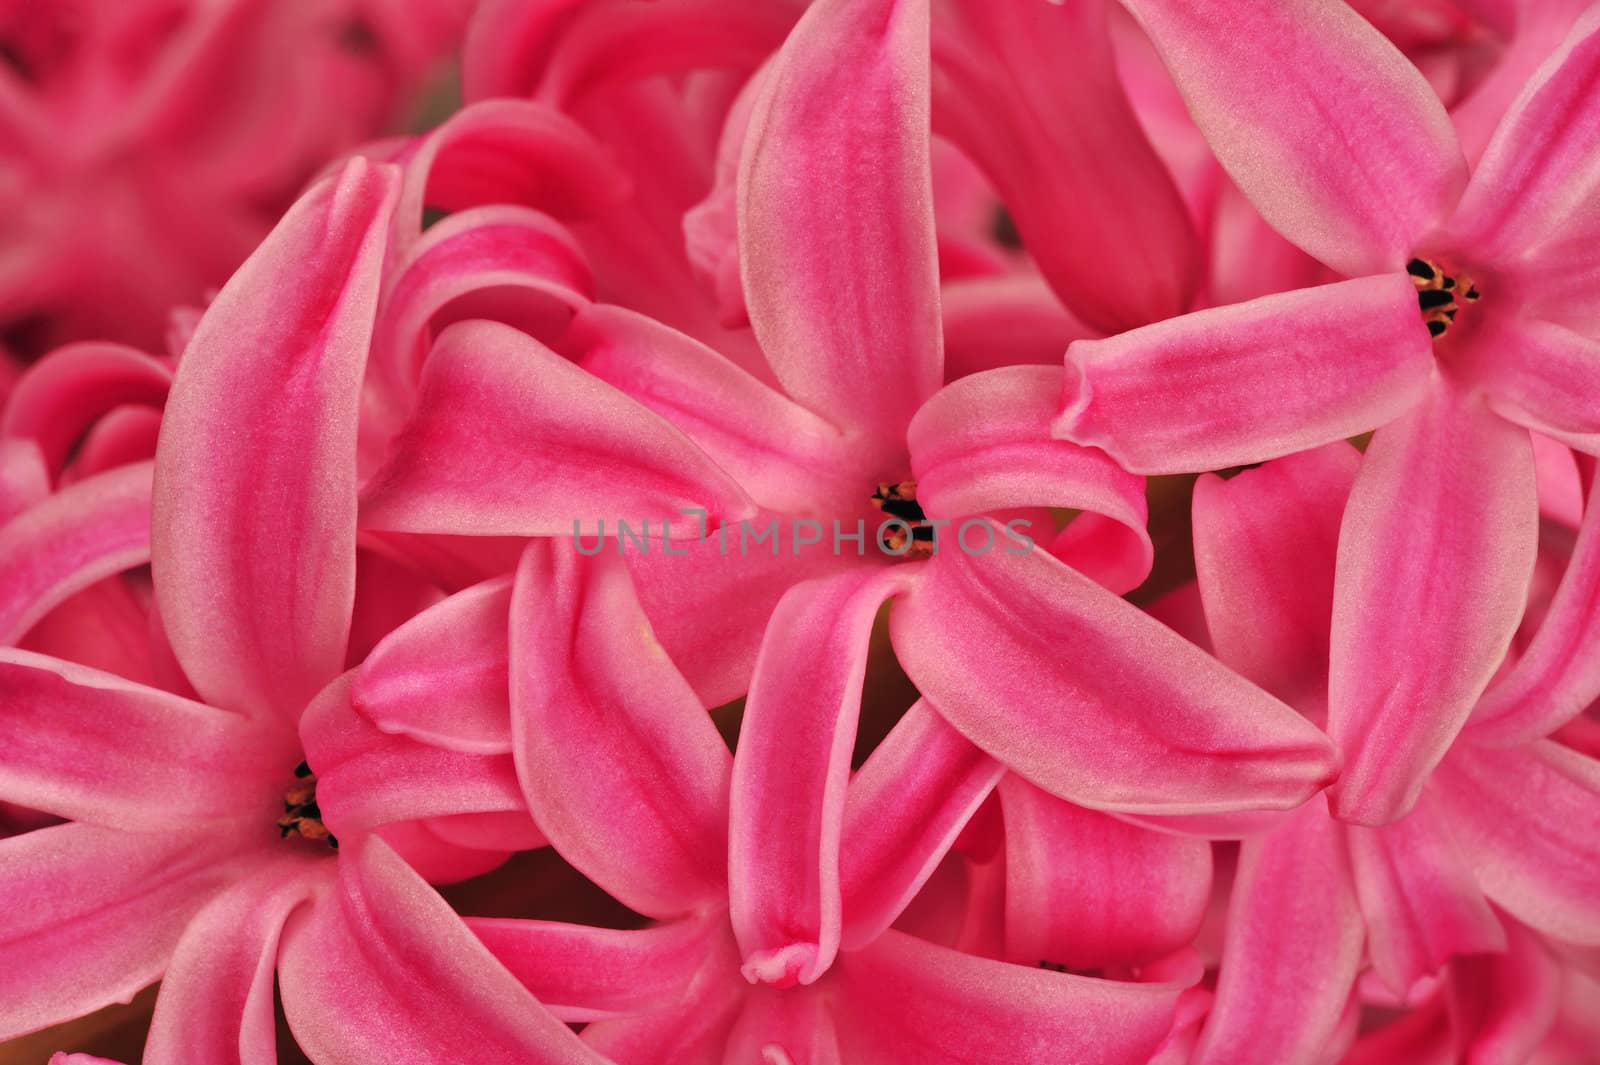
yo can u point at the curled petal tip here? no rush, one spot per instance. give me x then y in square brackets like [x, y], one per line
[796, 963]
[1076, 394]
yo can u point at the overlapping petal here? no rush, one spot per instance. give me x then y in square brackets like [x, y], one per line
[1093, 700]
[254, 538]
[620, 764]
[1330, 131]
[1436, 552]
[1240, 384]
[510, 438]
[839, 268]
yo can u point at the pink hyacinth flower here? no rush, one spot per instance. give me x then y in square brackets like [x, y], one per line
[171, 862]
[623, 770]
[1354, 159]
[1044, 668]
[1313, 896]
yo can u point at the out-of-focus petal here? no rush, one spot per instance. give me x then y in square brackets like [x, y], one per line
[586, 974]
[901, 1000]
[1418, 896]
[24, 477]
[1329, 130]
[903, 811]
[1092, 699]
[78, 536]
[216, 995]
[836, 233]
[91, 746]
[254, 532]
[776, 1027]
[1537, 178]
[1088, 891]
[1233, 385]
[1009, 320]
[620, 764]
[1292, 948]
[92, 915]
[983, 444]
[1435, 555]
[510, 438]
[508, 152]
[380, 969]
[1264, 549]
[64, 393]
[1506, 1002]
[1522, 819]
[786, 818]
[787, 458]
[1557, 675]
[440, 678]
[1115, 242]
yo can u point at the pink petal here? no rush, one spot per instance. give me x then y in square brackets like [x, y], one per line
[254, 549]
[508, 152]
[836, 215]
[92, 915]
[787, 458]
[1536, 179]
[510, 438]
[1447, 489]
[710, 605]
[602, 45]
[620, 764]
[983, 444]
[1264, 548]
[477, 251]
[62, 395]
[1115, 242]
[791, 770]
[1543, 376]
[125, 436]
[216, 996]
[1507, 1002]
[903, 999]
[777, 1027]
[902, 813]
[1088, 891]
[588, 974]
[1003, 321]
[80, 535]
[1521, 818]
[1234, 385]
[1558, 674]
[24, 478]
[1332, 133]
[367, 778]
[1093, 700]
[91, 746]
[1292, 948]
[1418, 896]
[440, 678]
[380, 969]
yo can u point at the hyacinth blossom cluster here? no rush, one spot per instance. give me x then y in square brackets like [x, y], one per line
[783, 533]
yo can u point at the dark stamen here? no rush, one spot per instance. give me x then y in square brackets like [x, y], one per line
[1420, 268]
[1430, 298]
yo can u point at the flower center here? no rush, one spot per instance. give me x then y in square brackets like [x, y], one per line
[1437, 293]
[906, 531]
[301, 814]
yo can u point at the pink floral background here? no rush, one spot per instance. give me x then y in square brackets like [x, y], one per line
[765, 532]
